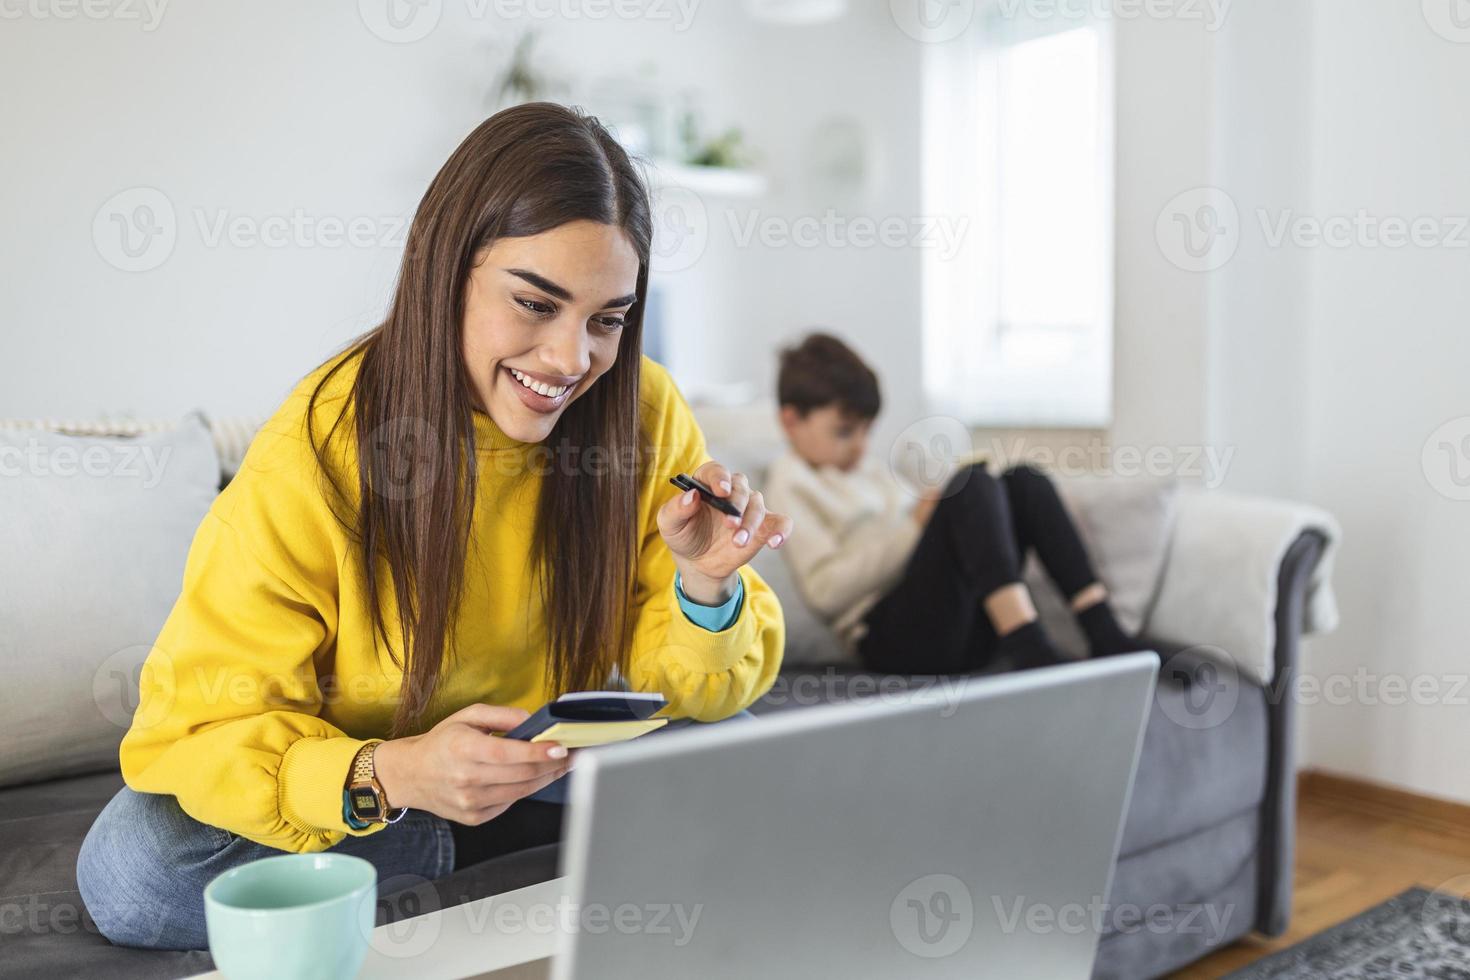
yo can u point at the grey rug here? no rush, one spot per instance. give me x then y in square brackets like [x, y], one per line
[1420, 933]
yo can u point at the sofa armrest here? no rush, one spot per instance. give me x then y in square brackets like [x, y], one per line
[1277, 855]
[1222, 578]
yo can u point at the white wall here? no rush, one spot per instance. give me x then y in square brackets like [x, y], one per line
[1324, 370]
[1258, 360]
[1330, 367]
[251, 111]
[1388, 367]
[1163, 148]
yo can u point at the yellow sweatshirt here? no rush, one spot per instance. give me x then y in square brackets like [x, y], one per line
[266, 677]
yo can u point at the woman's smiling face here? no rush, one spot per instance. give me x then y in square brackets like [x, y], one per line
[542, 321]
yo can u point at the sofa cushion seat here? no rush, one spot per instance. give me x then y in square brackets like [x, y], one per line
[45, 930]
[1204, 753]
[51, 935]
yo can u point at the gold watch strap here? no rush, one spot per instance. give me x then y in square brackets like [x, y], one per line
[362, 763]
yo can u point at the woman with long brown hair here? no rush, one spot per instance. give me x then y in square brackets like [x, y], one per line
[464, 514]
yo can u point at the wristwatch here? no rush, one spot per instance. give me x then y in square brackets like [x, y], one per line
[366, 801]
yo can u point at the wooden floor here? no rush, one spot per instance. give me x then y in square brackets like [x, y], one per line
[1356, 847]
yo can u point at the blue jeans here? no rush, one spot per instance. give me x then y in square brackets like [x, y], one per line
[144, 864]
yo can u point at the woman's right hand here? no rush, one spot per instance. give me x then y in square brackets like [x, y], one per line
[461, 772]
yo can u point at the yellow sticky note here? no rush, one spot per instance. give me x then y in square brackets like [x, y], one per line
[584, 734]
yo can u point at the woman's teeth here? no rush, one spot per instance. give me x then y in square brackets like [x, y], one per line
[541, 387]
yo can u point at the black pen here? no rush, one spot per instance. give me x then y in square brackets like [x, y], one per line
[686, 482]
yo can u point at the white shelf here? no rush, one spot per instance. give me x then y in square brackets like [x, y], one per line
[713, 181]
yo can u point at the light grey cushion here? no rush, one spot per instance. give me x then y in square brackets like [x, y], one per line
[1126, 525]
[93, 537]
[810, 642]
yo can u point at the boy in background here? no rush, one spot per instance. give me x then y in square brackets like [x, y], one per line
[931, 586]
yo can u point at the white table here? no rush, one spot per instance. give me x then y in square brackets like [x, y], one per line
[495, 933]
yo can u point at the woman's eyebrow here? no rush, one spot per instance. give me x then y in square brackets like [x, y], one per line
[562, 293]
[542, 283]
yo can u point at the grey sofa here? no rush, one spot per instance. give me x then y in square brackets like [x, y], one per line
[1210, 822]
[1210, 828]
[1207, 849]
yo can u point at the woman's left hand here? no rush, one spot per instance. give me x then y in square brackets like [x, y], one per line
[709, 547]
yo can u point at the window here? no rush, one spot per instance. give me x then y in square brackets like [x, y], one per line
[1018, 323]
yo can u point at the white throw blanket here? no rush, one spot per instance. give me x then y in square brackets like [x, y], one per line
[1219, 586]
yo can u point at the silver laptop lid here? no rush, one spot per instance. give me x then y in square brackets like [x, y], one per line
[968, 829]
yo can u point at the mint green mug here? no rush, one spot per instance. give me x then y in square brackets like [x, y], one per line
[292, 917]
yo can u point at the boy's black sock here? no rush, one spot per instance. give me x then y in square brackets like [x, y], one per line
[1029, 647]
[1104, 635]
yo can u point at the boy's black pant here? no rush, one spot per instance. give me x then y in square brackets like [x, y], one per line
[933, 620]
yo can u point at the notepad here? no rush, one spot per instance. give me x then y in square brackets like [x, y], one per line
[585, 734]
[586, 718]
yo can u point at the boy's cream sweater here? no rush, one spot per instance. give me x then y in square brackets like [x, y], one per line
[854, 535]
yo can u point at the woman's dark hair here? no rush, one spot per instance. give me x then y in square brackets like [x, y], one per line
[821, 371]
[523, 171]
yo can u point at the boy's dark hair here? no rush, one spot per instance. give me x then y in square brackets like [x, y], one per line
[822, 370]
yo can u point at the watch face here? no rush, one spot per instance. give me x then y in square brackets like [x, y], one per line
[365, 804]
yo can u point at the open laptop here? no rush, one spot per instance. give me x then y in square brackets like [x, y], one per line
[964, 830]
